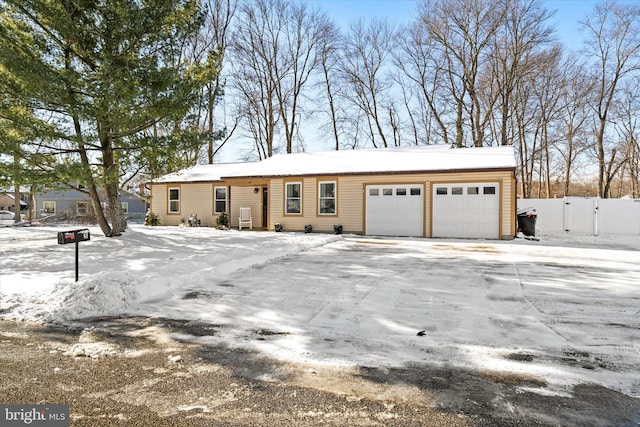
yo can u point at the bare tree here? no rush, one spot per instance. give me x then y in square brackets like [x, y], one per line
[573, 114]
[367, 52]
[525, 128]
[422, 64]
[627, 128]
[524, 31]
[546, 91]
[330, 53]
[218, 27]
[276, 49]
[464, 31]
[255, 48]
[613, 44]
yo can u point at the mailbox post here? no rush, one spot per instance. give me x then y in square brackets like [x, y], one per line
[74, 236]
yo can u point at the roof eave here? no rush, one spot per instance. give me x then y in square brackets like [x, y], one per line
[408, 172]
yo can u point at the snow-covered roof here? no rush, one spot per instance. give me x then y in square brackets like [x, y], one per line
[13, 197]
[205, 173]
[430, 158]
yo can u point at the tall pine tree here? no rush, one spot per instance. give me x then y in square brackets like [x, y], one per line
[106, 86]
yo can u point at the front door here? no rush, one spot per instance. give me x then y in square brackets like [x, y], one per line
[265, 208]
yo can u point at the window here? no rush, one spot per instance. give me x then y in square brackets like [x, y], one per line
[416, 191]
[293, 202]
[472, 190]
[125, 207]
[489, 190]
[387, 191]
[82, 208]
[442, 191]
[374, 192]
[456, 190]
[327, 198]
[174, 200]
[401, 192]
[49, 207]
[220, 199]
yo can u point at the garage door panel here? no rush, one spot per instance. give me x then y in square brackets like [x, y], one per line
[396, 210]
[469, 210]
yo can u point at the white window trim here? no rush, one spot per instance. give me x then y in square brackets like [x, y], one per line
[44, 209]
[169, 200]
[125, 207]
[215, 199]
[286, 198]
[86, 209]
[334, 198]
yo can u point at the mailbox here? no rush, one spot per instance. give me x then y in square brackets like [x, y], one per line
[73, 236]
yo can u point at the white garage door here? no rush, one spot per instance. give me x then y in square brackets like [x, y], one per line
[466, 210]
[395, 210]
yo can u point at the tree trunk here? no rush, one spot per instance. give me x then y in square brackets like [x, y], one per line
[210, 108]
[332, 107]
[111, 186]
[16, 188]
[568, 161]
[459, 130]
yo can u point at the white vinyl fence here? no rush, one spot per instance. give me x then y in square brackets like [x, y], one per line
[585, 215]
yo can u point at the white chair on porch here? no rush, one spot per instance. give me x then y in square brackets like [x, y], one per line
[245, 218]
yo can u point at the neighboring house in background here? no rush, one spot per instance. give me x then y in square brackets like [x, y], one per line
[8, 202]
[74, 204]
[422, 191]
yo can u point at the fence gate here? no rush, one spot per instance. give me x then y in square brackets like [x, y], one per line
[580, 215]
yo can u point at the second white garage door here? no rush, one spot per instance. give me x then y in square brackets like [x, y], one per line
[395, 210]
[466, 210]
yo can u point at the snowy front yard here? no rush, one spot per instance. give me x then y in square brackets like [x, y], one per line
[564, 312]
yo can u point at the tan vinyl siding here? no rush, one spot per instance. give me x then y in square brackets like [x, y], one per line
[351, 199]
[158, 202]
[508, 209]
[198, 199]
[276, 202]
[194, 198]
[246, 197]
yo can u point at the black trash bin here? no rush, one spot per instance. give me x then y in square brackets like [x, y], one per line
[527, 221]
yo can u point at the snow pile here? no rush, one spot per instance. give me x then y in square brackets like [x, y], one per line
[105, 293]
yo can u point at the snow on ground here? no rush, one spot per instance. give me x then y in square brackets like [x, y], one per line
[565, 310]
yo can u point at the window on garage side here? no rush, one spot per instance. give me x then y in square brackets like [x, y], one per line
[49, 207]
[489, 190]
[293, 201]
[327, 198]
[220, 199]
[387, 191]
[456, 191]
[401, 191]
[374, 192]
[473, 190]
[442, 191]
[174, 200]
[415, 191]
